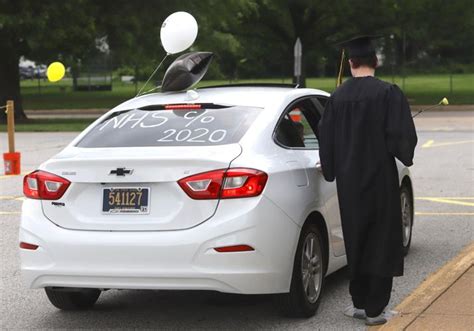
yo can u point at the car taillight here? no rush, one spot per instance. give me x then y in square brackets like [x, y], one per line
[225, 184]
[31, 247]
[44, 185]
[240, 183]
[206, 185]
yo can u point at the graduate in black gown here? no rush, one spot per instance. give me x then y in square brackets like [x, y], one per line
[366, 125]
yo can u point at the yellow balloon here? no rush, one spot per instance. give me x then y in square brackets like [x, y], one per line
[55, 71]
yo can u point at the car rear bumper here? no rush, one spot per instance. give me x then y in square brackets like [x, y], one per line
[183, 259]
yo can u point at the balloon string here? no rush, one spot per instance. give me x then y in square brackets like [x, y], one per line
[152, 89]
[422, 110]
[149, 78]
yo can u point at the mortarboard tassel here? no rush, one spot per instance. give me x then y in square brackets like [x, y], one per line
[341, 70]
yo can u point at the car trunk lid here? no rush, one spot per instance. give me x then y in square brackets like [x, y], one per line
[93, 170]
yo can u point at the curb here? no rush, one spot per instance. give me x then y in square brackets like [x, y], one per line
[430, 290]
[66, 111]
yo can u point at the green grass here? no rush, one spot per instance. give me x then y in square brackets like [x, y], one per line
[61, 96]
[50, 125]
[430, 89]
[420, 89]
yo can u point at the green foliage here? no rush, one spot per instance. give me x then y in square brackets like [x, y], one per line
[49, 30]
[250, 38]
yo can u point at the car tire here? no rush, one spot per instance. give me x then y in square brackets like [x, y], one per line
[303, 299]
[406, 200]
[77, 299]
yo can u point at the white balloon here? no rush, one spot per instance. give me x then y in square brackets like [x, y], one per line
[178, 32]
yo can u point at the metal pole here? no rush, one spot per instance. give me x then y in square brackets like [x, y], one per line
[39, 84]
[298, 52]
[11, 125]
[451, 83]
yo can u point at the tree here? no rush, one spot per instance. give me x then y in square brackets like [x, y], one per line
[450, 30]
[268, 29]
[251, 38]
[135, 41]
[44, 30]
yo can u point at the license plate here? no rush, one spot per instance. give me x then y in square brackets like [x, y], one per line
[126, 200]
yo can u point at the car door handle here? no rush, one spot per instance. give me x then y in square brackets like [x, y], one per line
[318, 166]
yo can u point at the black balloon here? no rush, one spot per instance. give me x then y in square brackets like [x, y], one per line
[186, 71]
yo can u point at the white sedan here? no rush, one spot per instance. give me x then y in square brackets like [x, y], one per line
[210, 189]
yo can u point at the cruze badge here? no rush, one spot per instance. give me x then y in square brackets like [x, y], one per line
[121, 172]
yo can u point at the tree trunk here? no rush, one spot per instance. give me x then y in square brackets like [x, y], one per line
[10, 79]
[135, 78]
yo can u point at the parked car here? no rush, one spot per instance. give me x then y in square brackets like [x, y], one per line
[40, 71]
[211, 189]
[30, 72]
[27, 72]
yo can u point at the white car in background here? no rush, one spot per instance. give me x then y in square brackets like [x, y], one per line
[210, 189]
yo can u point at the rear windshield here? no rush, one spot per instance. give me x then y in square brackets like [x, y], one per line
[171, 125]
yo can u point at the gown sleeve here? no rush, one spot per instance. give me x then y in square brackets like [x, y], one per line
[400, 133]
[326, 142]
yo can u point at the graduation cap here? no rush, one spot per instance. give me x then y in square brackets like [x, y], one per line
[360, 46]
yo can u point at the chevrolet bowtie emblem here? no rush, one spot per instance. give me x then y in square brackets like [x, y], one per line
[121, 172]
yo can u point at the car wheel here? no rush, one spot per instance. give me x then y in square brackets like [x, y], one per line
[406, 200]
[76, 299]
[308, 275]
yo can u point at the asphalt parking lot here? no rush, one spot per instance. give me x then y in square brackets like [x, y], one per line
[443, 178]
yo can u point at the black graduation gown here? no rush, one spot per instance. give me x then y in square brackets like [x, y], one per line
[367, 123]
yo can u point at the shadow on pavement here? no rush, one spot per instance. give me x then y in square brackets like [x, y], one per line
[181, 309]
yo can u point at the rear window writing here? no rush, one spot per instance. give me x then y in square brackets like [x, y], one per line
[171, 127]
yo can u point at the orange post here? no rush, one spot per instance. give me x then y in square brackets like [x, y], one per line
[12, 158]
